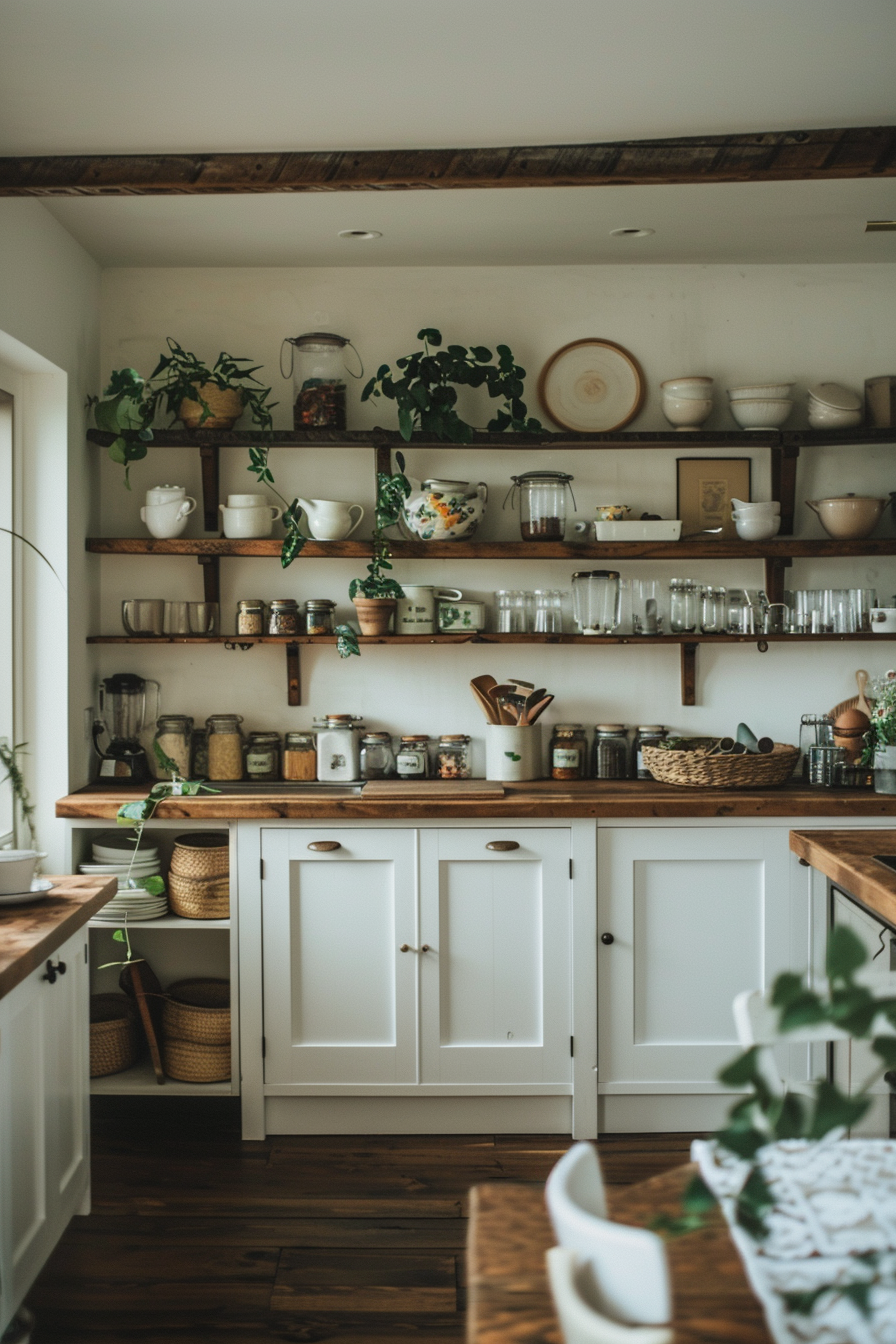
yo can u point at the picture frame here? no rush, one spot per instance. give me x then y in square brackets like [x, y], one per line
[705, 487]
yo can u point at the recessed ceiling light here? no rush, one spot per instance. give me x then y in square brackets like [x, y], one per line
[880, 226]
[631, 233]
[359, 233]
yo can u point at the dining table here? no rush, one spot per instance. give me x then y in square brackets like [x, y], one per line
[509, 1300]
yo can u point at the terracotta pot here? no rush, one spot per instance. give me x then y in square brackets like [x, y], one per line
[374, 614]
[225, 404]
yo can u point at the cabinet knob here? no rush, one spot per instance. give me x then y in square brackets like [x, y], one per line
[502, 846]
[406, 947]
[607, 939]
[324, 846]
[52, 971]
[425, 947]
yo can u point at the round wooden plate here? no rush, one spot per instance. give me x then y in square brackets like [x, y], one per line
[592, 386]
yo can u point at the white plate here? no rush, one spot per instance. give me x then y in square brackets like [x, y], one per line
[132, 918]
[144, 854]
[116, 869]
[37, 891]
[592, 386]
[663, 529]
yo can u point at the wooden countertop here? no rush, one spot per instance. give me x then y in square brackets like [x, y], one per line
[30, 933]
[541, 798]
[847, 858]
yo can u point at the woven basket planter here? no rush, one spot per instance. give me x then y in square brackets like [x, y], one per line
[114, 1043]
[199, 897]
[225, 404]
[203, 854]
[698, 770]
[198, 1011]
[187, 1062]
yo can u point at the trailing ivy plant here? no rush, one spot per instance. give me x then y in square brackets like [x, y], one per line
[9, 759]
[425, 392]
[764, 1115]
[293, 541]
[138, 813]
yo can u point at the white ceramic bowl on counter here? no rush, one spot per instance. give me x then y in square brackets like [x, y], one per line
[761, 413]
[17, 869]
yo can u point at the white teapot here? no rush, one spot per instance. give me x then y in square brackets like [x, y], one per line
[439, 510]
[330, 519]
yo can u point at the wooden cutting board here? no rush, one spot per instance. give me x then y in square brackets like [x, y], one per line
[432, 788]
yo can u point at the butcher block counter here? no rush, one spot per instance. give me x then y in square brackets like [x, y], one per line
[847, 858]
[541, 798]
[30, 933]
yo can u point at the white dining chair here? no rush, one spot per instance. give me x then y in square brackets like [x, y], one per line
[580, 1320]
[628, 1268]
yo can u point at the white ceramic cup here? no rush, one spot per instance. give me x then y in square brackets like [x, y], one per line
[416, 611]
[167, 520]
[243, 522]
[883, 620]
[512, 753]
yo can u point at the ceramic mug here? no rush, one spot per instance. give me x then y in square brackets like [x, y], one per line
[455, 616]
[883, 620]
[416, 611]
[248, 521]
[166, 518]
[143, 615]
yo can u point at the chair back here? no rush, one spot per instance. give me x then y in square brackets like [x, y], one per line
[580, 1320]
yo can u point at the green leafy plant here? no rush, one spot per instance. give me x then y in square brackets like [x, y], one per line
[130, 403]
[121, 936]
[293, 541]
[9, 758]
[392, 489]
[138, 813]
[882, 732]
[425, 392]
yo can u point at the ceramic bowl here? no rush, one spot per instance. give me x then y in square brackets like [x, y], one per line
[686, 412]
[693, 389]
[756, 508]
[17, 869]
[759, 413]
[761, 528]
[761, 392]
[835, 395]
[832, 417]
[849, 517]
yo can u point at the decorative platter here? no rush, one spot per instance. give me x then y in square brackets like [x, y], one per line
[592, 386]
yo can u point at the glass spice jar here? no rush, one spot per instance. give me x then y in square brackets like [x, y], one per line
[225, 746]
[283, 616]
[250, 616]
[568, 751]
[412, 761]
[173, 735]
[263, 756]
[377, 756]
[320, 616]
[453, 756]
[299, 756]
[609, 751]
[199, 753]
[648, 735]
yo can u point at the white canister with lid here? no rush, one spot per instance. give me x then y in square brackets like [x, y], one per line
[166, 510]
[338, 755]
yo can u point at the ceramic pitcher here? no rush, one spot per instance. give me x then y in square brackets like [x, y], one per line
[330, 519]
[443, 510]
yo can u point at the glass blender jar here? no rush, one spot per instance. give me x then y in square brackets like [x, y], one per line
[595, 596]
[317, 368]
[122, 715]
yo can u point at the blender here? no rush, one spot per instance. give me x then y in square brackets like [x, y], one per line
[596, 597]
[122, 715]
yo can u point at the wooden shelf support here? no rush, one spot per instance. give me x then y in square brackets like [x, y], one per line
[210, 462]
[775, 567]
[689, 673]
[784, 460]
[293, 675]
[211, 577]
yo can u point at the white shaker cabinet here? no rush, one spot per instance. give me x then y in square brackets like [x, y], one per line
[44, 1119]
[854, 1061]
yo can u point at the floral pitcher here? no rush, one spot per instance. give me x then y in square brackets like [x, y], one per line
[443, 510]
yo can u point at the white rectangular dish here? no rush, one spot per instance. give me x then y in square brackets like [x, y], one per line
[662, 529]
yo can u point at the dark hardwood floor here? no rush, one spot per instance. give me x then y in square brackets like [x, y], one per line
[196, 1236]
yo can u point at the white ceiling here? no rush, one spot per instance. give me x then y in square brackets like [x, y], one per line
[144, 76]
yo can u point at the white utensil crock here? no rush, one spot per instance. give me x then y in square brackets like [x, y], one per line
[512, 753]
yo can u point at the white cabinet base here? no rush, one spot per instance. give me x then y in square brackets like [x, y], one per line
[697, 1114]
[418, 1115]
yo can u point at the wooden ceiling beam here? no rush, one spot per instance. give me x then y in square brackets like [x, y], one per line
[772, 156]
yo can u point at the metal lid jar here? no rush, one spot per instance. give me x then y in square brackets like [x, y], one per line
[453, 756]
[263, 756]
[338, 758]
[609, 751]
[250, 616]
[299, 756]
[544, 497]
[320, 616]
[377, 756]
[412, 761]
[568, 751]
[317, 367]
[647, 735]
[225, 746]
[174, 735]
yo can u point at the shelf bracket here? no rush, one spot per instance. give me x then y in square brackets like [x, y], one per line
[784, 460]
[209, 461]
[774, 576]
[689, 673]
[293, 675]
[211, 577]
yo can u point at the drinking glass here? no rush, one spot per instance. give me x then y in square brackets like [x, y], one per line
[648, 607]
[202, 617]
[503, 620]
[176, 620]
[816, 730]
[861, 601]
[548, 611]
[627, 587]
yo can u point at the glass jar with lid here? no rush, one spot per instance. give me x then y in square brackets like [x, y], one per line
[320, 616]
[250, 616]
[544, 500]
[609, 751]
[412, 761]
[682, 606]
[283, 616]
[568, 751]
[299, 756]
[225, 746]
[263, 756]
[453, 756]
[174, 734]
[377, 756]
[647, 735]
[338, 757]
[318, 367]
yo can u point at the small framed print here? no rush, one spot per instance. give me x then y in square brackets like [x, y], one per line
[706, 487]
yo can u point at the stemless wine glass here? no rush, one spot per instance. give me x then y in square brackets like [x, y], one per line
[648, 607]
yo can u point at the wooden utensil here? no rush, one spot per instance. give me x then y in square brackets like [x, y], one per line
[531, 701]
[504, 697]
[139, 982]
[485, 703]
[535, 713]
[862, 682]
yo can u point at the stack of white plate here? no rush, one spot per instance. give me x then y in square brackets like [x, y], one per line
[137, 906]
[112, 858]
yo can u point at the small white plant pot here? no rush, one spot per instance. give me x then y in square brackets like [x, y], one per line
[512, 753]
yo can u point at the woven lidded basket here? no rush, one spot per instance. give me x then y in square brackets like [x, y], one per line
[201, 854]
[199, 897]
[698, 770]
[188, 1062]
[114, 1043]
[198, 1011]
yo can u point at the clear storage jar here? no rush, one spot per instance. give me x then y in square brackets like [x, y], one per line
[317, 367]
[377, 756]
[299, 756]
[568, 751]
[544, 503]
[412, 761]
[320, 616]
[174, 733]
[283, 616]
[648, 735]
[250, 616]
[682, 606]
[609, 752]
[263, 756]
[225, 746]
[453, 756]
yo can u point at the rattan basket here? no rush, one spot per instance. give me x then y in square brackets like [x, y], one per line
[199, 897]
[698, 770]
[188, 1062]
[202, 854]
[197, 1011]
[114, 1044]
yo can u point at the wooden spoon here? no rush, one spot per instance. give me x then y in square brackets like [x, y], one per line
[501, 696]
[531, 701]
[862, 682]
[535, 713]
[488, 709]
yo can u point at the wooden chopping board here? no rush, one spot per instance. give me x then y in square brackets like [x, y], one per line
[432, 788]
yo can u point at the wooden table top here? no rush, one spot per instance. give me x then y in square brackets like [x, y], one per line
[847, 858]
[510, 1302]
[30, 933]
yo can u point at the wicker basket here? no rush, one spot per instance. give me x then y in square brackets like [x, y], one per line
[114, 1044]
[202, 854]
[199, 897]
[188, 1062]
[198, 1011]
[698, 770]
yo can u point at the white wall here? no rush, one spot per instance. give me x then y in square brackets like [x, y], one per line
[49, 335]
[738, 324]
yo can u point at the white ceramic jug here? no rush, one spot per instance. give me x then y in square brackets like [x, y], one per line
[166, 510]
[330, 519]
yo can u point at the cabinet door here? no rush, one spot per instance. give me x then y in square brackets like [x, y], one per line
[340, 997]
[695, 915]
[68, 1060]
[854, 1061]
[495, 980]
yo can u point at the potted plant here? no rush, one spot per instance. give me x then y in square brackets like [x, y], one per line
[880, 739]
[375, 597]
[425, 393]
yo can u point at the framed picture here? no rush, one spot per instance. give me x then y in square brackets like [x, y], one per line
[705, 488]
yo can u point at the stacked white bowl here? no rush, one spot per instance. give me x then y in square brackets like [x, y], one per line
[832, 406]
[687, 401]
[112, 853]
[761, 405]
[758, 521]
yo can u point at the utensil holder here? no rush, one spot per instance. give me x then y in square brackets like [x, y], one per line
[512, 753]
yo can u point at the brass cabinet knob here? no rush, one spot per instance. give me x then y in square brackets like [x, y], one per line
[503, 846]
[324, 846]
[405, 947]
[425, 947]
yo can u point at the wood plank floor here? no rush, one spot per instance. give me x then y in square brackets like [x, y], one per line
[196, 1236]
